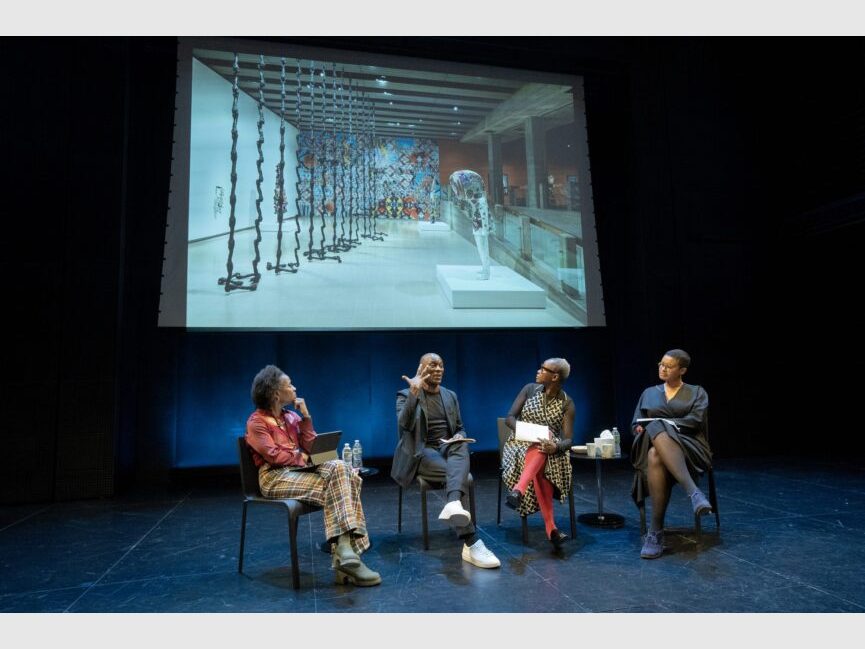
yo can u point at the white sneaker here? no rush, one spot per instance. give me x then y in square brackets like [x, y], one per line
[454, 514]
[479, 555]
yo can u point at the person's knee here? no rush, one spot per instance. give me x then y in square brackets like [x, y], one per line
[460, 451]
[654, 459]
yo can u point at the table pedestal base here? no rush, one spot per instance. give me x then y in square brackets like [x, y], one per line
[602, 520]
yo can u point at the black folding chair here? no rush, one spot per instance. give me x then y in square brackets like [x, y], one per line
[252, 494]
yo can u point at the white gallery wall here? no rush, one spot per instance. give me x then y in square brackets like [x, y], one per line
[210, 157]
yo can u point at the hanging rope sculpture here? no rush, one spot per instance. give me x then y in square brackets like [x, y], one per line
[369, 163]
[352, 174]
[338, 244]
[255, 276]
[234, 281]
[333, 160]
[297, 112]
[327, 156]
[320, 161]
[373, 201]
[299, 154]
[280, 202]
[343, 164]
[311, 156]
[364, 168]
[341, 161]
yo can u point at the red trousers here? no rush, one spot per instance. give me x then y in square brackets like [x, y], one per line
[534, 472]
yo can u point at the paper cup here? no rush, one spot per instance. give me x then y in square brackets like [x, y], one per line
[590, 449]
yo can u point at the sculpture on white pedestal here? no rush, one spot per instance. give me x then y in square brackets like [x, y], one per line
[470, 196]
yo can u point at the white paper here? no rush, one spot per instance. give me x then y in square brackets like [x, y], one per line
[527, 432]
[644, 421]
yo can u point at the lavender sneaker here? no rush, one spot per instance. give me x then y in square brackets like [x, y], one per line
[700, 504]
[653, 545]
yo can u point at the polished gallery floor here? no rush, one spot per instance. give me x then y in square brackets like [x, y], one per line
[792, 539]
[388, 284]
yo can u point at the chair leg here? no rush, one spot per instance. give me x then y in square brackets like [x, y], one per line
[292, 539]
[525, 522]
[399, 512]
[423, 518]
[713, 499]
[499, 506]
[242, 536]
[571, 511]
[472, 501]
[642, 508]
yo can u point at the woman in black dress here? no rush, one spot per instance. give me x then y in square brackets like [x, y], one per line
[670, 445]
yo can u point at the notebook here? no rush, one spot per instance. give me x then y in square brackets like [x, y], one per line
[527, 432]
[323, 449]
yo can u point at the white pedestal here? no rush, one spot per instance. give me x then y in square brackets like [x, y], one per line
[438, 226]
[505, 289]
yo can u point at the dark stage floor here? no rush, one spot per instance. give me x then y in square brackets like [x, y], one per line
[792, 539]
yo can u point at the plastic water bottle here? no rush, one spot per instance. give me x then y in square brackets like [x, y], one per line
[347, 455]
[357, 455]
[618, 441]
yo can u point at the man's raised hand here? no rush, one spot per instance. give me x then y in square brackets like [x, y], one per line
[416, 383]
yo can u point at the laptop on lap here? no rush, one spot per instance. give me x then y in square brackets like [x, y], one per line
[324, 447]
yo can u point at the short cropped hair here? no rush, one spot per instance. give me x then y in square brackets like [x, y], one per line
[265, 385]
[563, 368]
[682, 357]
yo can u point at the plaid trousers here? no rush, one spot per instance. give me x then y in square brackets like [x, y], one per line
[332, 486]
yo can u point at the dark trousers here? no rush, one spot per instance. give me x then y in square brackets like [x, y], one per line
[449, 464]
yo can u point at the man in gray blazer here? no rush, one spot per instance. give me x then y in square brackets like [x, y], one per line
[428, 419]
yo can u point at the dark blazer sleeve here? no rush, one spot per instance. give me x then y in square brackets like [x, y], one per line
[406, 404]
[405, 456]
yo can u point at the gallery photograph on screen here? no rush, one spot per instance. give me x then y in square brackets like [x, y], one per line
[327, 190]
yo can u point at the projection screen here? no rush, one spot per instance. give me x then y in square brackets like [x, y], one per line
[317, 190]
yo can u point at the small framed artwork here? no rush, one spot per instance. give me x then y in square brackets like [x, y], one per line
[505, 181]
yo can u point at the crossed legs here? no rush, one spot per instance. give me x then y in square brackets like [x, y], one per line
[666, 467]
[533, 471]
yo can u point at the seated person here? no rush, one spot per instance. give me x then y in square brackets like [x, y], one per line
[428, 413]
[536, 472]
[279, 441]
[672, 448]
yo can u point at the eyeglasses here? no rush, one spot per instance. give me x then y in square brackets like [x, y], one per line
[547, 369]
[667, 367]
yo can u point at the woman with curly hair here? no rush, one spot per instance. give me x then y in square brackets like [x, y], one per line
[279, 441]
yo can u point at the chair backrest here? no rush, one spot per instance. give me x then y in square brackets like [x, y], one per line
[248, 470]
[504, 433]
